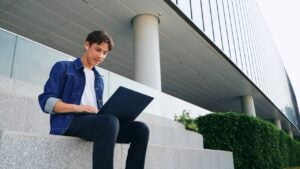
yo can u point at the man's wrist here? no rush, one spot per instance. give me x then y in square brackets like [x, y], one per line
[75, 108]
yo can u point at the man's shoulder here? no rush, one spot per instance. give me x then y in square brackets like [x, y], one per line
[60, 66]
[63, 63]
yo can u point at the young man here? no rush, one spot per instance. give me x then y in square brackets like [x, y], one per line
[73, 95]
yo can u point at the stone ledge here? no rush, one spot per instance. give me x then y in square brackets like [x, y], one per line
[20, 150]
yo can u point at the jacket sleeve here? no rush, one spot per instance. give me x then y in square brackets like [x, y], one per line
[53, 88]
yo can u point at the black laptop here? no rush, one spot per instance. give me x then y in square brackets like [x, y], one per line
[126, 104]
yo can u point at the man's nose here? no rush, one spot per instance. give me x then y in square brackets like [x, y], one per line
[101, 54]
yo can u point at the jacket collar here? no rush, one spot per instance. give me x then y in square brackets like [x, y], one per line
[79, 65]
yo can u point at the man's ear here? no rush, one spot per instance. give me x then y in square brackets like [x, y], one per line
[86, 45]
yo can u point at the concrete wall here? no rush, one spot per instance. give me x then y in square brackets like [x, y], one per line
[19, 62]
[163, 104]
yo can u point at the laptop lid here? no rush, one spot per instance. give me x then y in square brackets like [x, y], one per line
[126, 104]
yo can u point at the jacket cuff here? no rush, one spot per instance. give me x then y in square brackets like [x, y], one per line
[50, 104]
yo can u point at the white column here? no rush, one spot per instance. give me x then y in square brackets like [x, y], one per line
[146, 50]
[277, 123]
[290, 133]
[248, 105]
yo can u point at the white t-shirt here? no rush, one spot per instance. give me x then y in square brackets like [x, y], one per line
[89, 95]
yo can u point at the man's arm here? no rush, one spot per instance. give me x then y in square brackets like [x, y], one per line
[50, 101]
[52, 88]
[61, 107]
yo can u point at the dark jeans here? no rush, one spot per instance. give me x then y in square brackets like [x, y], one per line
[105, 131]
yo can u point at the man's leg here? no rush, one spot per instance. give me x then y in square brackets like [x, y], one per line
[103, 131]
[137, 134]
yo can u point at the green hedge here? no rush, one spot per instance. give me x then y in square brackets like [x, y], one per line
[187, 121]
[256, 144]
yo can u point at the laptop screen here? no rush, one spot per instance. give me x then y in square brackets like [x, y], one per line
[126, 104]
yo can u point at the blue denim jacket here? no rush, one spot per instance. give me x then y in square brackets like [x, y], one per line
[66, 83]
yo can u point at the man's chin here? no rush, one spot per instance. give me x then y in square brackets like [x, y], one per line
[97, 63]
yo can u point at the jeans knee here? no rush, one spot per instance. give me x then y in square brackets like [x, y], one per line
[143, 129]
[112, 122]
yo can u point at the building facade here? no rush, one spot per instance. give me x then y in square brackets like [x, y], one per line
[216, 54]
[238, 29]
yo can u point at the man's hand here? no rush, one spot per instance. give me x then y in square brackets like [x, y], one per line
[85, 108]
[61, 107]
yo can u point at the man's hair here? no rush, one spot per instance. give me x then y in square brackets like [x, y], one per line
[100, 37]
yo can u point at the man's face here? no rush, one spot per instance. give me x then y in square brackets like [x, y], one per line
[96, 53]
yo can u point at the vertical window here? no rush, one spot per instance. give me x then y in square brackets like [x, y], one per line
[239, 34]
[257, 45]
[7, 46]
[174, 1]
[197, 13]
[248, 27]
[234, 32]
[27, 62]
[244, 40]
[223, 25]
[229, 30]
[208, 28]
[249, 12]
[185, 7]
[216, 24]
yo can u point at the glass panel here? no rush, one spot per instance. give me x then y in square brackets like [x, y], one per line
[237, 34]
[208, 28]
[216, 24]
[243, 37]
[197, 13]
[185, 7]
[174, 1]
[257, 45]
[224, 31]
[229, 31]
[7, 48]
[251, 37]
[34, 61]
[234, 32]
[249, 27]
[259, 36]
[239, 26]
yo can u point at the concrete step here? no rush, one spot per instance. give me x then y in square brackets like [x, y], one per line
[20, 107]
[12, 106]
[24, 113]
[168, 136]
[26, 116]
[19, 88]
[20, 150]
[27, 109]
[19, 95]
[161, 121]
